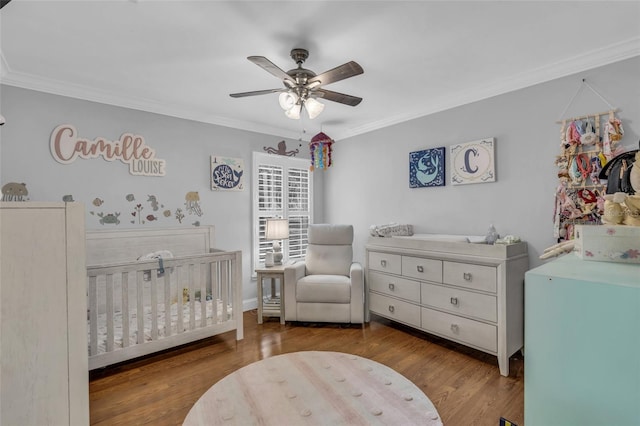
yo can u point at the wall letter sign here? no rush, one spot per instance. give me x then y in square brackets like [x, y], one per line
[131, 149]
[473, 162]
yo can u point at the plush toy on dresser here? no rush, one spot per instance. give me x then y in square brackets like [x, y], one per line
[623, 207]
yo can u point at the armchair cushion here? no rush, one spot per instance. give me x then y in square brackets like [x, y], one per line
[329, 251]
[324, 289]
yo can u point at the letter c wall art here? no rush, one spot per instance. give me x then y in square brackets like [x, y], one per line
[473, 162]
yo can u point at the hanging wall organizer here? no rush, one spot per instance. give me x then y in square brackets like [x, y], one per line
[587, 142]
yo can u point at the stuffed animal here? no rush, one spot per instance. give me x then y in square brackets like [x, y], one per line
[621, 209]
[613, 211]
[632, 210]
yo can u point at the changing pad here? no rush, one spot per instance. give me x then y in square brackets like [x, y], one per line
[450, 238]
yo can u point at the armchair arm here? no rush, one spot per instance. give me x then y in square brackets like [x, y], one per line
[357, 293]
[292, 273]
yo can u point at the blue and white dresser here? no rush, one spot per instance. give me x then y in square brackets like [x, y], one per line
[582, 343]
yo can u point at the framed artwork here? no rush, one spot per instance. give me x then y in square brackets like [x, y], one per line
[473, 162]
[427, 168]
[227, 174]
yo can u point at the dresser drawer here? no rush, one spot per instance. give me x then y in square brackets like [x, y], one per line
[385, 262]
[395, 286]
[477, 277]
[395, 309]
[458, 301]
[421, 268]
[463, 330]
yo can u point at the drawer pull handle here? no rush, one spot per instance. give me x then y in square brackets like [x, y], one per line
[383, 263]
[420, 268]
[454, 328]
[392, 286]
[392, 308]
[467, 276]
[454, 301]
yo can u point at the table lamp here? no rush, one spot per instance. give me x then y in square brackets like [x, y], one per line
[276, 230]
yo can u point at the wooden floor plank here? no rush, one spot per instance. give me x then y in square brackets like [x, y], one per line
[464, 384]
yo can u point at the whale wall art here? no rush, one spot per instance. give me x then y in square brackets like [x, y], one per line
[227, 174]
[427, 168]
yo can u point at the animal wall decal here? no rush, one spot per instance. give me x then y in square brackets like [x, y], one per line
[14, 191]
[281, 150]
[140, 214]
[109, 218]
[192, 203]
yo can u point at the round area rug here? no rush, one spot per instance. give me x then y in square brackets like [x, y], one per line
[314, 388]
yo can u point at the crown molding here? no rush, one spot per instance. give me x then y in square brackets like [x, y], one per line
[579, 63]
[4, 66]
[572, 65]
[56, 87]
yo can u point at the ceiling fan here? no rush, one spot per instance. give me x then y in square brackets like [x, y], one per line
[302, 87]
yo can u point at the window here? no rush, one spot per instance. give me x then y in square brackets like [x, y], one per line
[282, 187]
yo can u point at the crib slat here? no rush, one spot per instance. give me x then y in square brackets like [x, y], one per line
[125, 309]
[215, 272]
[203, 294]
[93, 317]
[154, 305]
[140, 307]
[109, 306]
[192, 297]
[223, 289]
[180, 301]
[168, 315]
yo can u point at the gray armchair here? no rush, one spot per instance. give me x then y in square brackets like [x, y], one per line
[328, 286]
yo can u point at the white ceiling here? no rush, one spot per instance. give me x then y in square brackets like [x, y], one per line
[183, 58]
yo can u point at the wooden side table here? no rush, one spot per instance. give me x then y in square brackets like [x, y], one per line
[273, 306]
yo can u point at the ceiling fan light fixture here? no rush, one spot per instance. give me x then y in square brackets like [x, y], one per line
[313, 107]
[287, 100]
[294, 112]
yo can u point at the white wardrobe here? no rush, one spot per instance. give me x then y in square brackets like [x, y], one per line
[43, 328]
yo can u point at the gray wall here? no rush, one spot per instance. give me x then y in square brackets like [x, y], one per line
[185, 145]
[367, 185]
[369, 182]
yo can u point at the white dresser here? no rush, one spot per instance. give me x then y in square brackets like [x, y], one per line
[468, 293]
[44, 372]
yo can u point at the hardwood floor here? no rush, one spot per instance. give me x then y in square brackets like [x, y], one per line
[465, 385]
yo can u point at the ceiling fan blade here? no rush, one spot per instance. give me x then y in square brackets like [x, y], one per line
[337, 97]
[341, 72]
[256, 92]
[271, 68]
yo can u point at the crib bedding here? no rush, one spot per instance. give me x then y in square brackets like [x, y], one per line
[212, 317]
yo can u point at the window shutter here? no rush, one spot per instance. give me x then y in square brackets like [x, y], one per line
[282, 188]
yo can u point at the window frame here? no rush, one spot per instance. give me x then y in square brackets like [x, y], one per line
[286, 211]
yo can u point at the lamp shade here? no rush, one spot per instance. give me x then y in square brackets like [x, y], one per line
[313, 107]
[277, 229]
[287, 100]
[294, 112]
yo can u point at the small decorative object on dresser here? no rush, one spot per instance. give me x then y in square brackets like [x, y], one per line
[471, 293]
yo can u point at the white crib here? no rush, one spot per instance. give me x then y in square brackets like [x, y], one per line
[139, 307]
